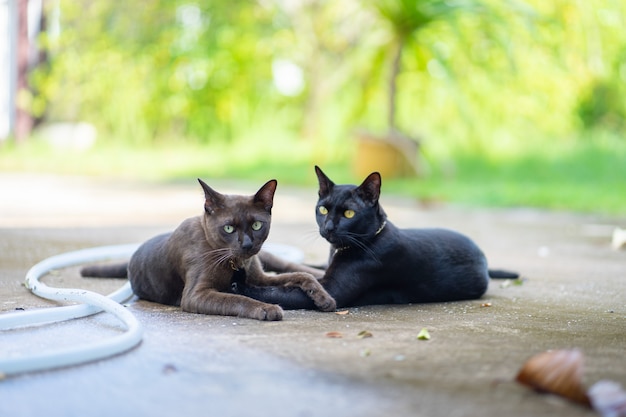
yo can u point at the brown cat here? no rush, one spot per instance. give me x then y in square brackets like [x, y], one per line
[194, 265]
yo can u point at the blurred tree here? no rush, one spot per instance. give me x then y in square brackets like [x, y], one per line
[325, 35]
[159, 69]
[175, 69]
[406, 18]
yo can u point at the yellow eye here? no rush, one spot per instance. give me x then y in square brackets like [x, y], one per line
[323, 210]
[349, 214]
[257, 225]
[229, 228]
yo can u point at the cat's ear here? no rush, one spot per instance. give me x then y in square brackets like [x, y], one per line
[369, 190]
[326, 185]
[212, 199]
[265, 195]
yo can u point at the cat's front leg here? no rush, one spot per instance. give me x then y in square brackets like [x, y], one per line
[210, 301]
[303, 280]
[289, 298]
[311, 286]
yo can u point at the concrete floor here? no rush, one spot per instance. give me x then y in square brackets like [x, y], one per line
[574, 297]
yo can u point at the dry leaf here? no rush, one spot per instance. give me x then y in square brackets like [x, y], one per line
[485, 305]
[423, 334]
[334, 335]
[608, 399]
[342, 313]
[557, 372]
[364, 333]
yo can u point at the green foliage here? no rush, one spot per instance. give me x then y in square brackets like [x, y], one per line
[472, 71]
[492, 88]
[143, 71]
[407, 17]
[585, 175]
[603, 105]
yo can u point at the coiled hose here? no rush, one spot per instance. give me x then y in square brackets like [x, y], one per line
[92, 303]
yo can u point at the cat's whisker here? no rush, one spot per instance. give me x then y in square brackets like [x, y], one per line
[216, 253]
[310, 236]
[217, 257]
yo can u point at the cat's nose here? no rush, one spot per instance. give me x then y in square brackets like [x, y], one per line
[246, 244]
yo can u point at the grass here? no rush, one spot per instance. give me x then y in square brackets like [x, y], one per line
[580, 175]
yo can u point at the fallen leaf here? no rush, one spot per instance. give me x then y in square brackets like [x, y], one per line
[485, 305]
[423, 334]
[556, 372]
[364, 333]
[365, 353]
[342, 313]
[334, 335]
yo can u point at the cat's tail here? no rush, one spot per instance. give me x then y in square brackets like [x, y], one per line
[105, 271]
[502, 274]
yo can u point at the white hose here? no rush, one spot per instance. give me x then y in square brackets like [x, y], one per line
[93, 303]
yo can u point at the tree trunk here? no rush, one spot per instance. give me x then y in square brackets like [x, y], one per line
[393, 80]
[23, 119]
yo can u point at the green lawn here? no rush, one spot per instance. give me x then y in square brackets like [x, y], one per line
[581, 176]
[584, 177]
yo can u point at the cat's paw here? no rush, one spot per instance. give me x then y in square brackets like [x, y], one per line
[268, 312]
[321, 298]
[325, 302]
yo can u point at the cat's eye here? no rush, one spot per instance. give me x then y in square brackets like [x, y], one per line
[257, 225]
[349, 214]
[229, 228]
[323, 210]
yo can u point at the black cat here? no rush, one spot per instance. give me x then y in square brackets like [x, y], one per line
[374, 262]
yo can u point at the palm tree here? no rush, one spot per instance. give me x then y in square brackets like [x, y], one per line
[406, 18]
[397, 153]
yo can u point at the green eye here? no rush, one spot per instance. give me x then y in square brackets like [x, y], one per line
[257, 225]
[323, 210]
[229, 228]
[349, 214]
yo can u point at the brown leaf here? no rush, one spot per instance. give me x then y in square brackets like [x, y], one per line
[556, 372]
[485, 305]
[334, 335]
